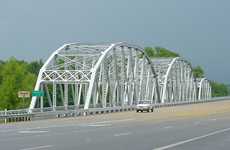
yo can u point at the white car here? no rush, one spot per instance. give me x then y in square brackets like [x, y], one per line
[144, 106]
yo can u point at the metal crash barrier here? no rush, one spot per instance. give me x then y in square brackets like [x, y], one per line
[8, 116]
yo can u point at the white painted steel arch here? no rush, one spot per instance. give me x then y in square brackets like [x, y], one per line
[99, 63]
[37, 86]
[98, 75]
[176, 80]
[166, 79]
[204, 89]
[83, 76]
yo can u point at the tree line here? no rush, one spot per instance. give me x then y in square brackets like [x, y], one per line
[17, 75]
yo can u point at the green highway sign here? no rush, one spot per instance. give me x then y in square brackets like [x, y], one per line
[38, 93]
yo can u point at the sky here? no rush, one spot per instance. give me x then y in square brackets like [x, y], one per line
[197, 29]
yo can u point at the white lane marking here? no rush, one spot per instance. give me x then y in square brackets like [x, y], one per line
[69, 125]
[122, 134]
[100, 125]
[114, 121]
[197, 123]
[31, 132]
[168, 127]
[192, 139]
[105, 122]
[213, 119]
[38, 147]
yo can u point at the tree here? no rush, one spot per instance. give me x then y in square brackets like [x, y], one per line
[151, 52]
[219, 89]
[35, 66]
[228, 89]
[198, 72]
[163, 52]
[1, 65]
[15, 77]
[159, 52]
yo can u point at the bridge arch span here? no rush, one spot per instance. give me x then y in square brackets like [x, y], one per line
[204, 89]
[84, 76]
[98, 75]
[176, 80]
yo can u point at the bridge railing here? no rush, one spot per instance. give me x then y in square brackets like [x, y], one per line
[74, 111]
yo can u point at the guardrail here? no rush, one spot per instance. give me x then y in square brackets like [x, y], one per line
[73, 111]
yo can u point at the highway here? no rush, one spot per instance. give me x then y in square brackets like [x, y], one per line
[191, 127]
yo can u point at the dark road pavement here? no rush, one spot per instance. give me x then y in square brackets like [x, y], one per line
[183, 127]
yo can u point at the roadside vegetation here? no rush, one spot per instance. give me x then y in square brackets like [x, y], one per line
[17, 75]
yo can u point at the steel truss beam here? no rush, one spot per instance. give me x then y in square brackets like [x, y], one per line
[109, 75]
[88, 76]
[204, 89]
[175, 79]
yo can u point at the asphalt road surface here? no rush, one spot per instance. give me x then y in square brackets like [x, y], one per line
[193, 127]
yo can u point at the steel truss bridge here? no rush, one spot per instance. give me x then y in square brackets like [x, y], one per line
[84, 76]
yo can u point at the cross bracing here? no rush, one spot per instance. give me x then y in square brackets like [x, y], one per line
[109, 75]
[176, 81]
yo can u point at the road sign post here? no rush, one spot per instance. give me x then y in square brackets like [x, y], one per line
[39, 94]
[5, 116]
[23, 95]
